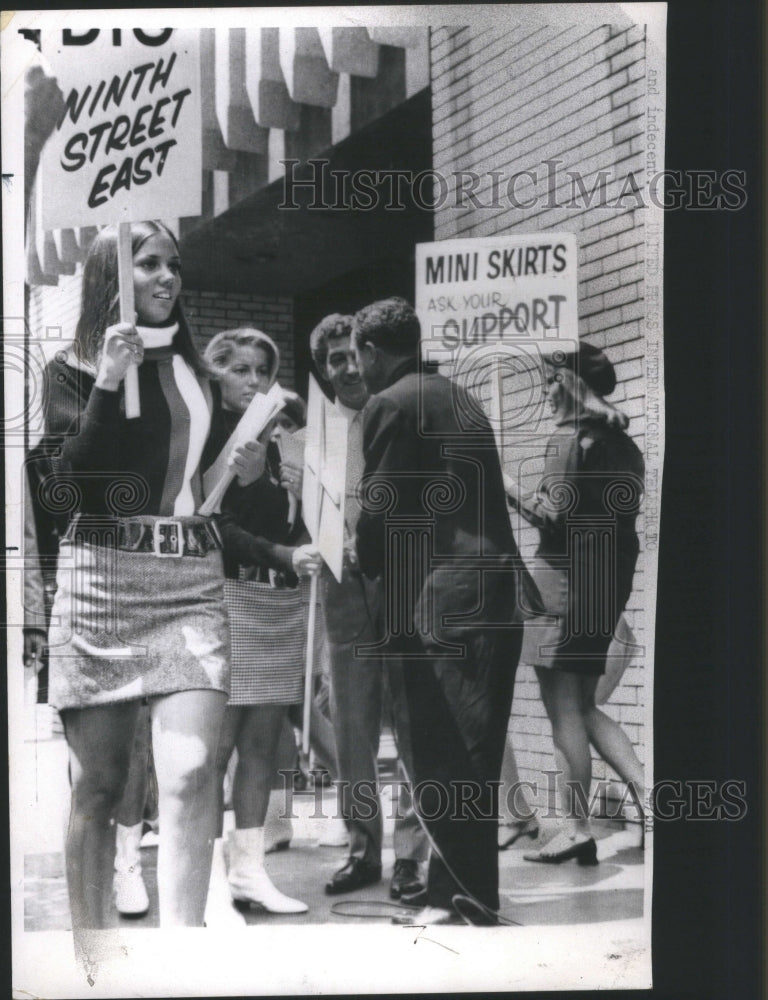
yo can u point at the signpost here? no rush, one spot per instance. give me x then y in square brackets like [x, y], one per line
[325, 465]
[323, 497]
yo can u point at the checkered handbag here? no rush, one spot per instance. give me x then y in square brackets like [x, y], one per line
[268, 628]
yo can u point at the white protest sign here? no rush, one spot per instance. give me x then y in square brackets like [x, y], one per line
[129, 145]
[325, 467]
[484, 291]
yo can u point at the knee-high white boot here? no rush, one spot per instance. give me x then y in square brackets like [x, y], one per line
[131, 897]
[278, 829]
[219, 911]
[248, 881]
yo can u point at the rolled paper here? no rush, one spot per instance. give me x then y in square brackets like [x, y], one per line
[262, 409]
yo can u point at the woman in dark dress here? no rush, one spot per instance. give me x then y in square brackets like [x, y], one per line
[585, 509]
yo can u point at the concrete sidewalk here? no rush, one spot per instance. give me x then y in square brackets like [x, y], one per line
[532, 894]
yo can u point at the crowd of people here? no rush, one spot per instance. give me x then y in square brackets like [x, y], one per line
[186, 633]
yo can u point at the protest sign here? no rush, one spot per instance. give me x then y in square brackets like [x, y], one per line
[492, 308]
[484, 291]
[128, 146]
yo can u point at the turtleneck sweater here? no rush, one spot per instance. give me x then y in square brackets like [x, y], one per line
[115, 466]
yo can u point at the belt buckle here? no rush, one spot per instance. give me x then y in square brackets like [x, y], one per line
[213, 528]
[168, 539]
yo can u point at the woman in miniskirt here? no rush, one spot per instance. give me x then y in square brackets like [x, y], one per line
[265, 550]
[139, 614]
[585, 509]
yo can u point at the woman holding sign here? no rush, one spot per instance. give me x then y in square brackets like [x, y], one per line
[263, 556]
[585, 509]
[139, 612]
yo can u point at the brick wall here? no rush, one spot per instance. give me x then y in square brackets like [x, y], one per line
[54, 310]
[210, 312]
[508, 99]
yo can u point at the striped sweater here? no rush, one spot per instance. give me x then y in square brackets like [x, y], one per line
[108, 465]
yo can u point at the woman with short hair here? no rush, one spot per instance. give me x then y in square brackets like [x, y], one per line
[585, 509]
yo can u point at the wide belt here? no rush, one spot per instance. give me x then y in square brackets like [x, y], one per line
[165, 537]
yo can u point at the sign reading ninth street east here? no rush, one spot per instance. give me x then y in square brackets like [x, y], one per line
[128, 146]
[487, 291]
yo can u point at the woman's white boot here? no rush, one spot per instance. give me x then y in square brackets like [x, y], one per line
[248, 880]
[131, 897]
[219, 911]
[278, 829]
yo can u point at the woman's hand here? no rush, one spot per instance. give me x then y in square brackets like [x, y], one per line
[511, 488]
[34, 647]
[350, 555]
[248, 461]
[122, 348]
[307, 560]
[292, 478]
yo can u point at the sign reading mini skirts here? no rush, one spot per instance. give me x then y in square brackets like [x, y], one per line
[486, 292]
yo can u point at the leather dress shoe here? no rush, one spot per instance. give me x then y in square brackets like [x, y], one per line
[405, 879]
[417, 898]
[474, 913]
[355, 874]
[430, 916]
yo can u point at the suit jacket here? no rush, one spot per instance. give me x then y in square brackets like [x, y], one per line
[435, 523]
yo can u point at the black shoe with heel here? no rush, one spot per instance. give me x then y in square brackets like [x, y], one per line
[584, 851]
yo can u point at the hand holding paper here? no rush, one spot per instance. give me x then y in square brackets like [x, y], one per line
[248, 461]
[291, 447]
[260, 413]
[291, 478]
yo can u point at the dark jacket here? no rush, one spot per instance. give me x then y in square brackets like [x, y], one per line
[435, 522]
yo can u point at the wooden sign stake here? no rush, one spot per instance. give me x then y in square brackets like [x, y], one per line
[127, 313]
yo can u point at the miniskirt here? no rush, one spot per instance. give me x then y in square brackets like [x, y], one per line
[268, 627]
[130, 625]
[578, 623]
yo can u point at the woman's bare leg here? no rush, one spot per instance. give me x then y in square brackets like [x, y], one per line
[185, 735]
[514, 797]
[613, 744]
[131, 811]
[561, 694]
[230, 727]
[100, 740]
[257, 742]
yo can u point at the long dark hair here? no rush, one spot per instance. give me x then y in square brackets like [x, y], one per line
[100, 300]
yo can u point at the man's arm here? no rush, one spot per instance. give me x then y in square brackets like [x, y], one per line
[388, 446]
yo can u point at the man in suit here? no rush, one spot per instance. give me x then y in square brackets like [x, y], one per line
[435, 529]
[357, 683]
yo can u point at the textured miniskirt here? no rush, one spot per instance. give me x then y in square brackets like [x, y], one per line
[128, 625]
[269, 641]
[577, 628]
